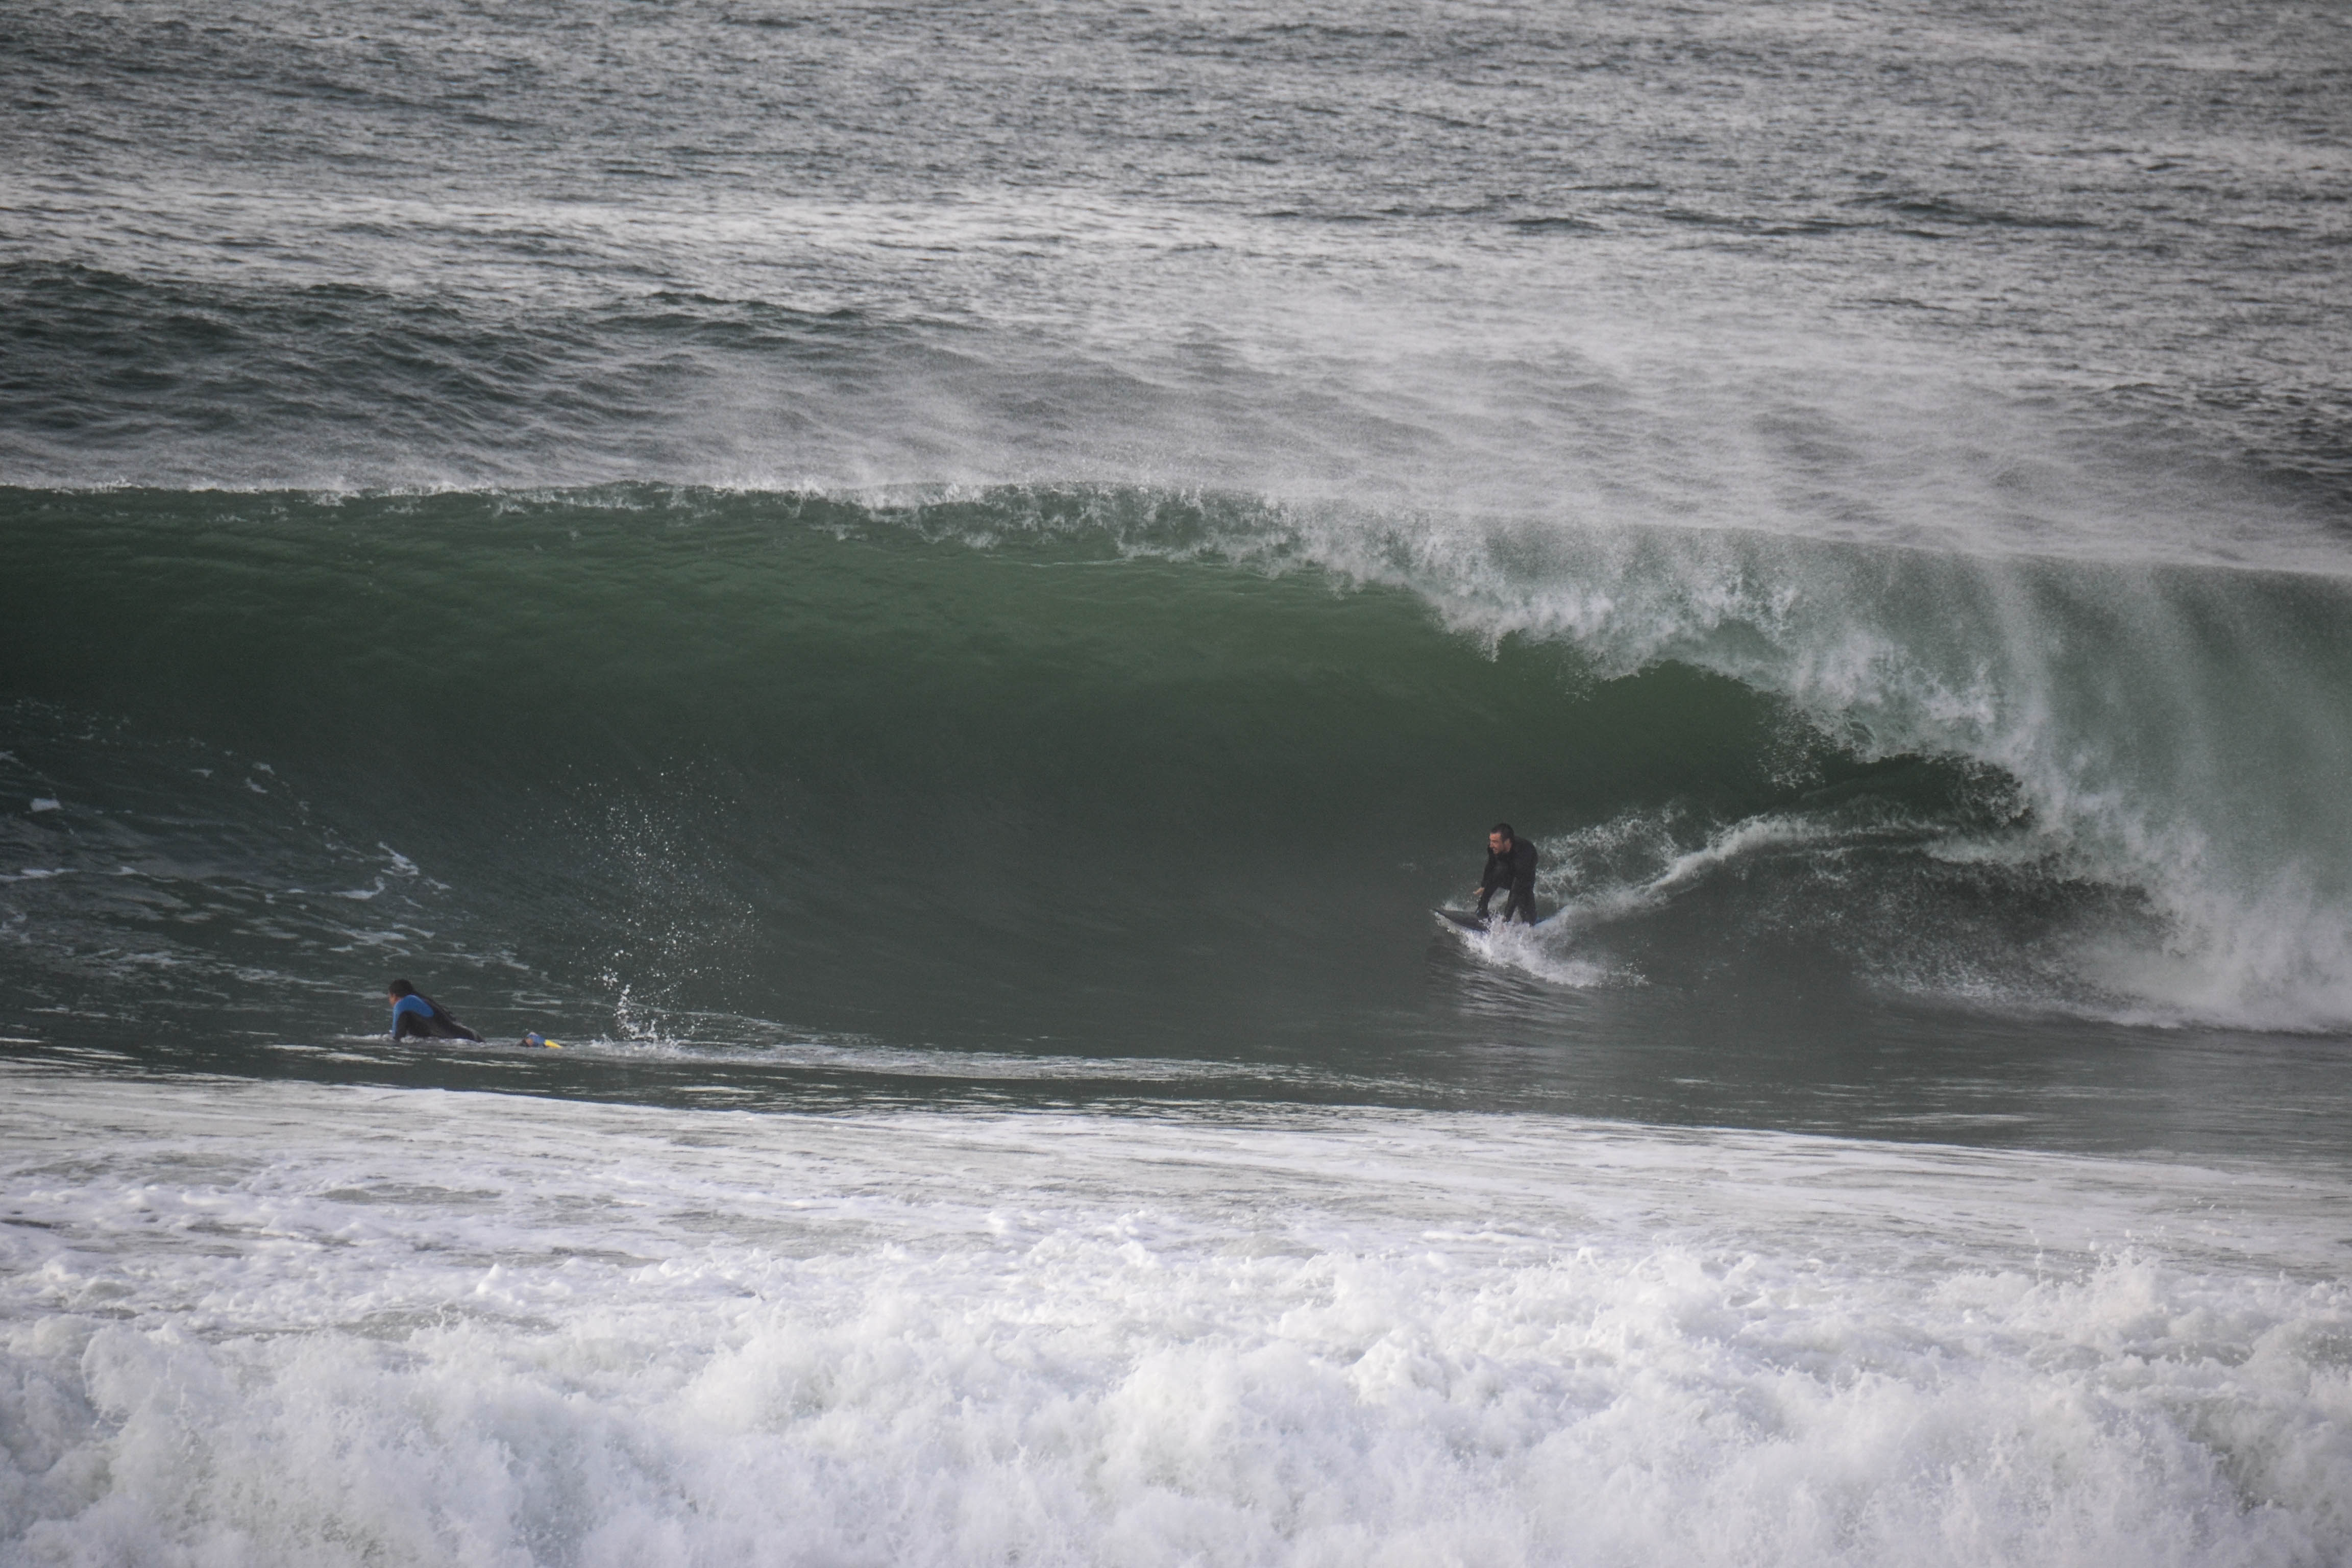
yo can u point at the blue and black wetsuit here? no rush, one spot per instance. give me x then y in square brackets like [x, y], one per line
[418, 1015]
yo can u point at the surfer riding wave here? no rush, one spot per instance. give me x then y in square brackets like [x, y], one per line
[1510, 864]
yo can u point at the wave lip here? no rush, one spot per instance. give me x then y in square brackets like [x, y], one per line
[2168, 732]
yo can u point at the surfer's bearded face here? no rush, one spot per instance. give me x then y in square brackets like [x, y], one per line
[1495, 841]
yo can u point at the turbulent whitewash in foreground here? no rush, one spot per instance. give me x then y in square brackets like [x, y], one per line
[275, 1323]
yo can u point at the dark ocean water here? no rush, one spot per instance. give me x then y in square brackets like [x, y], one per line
[939, 592]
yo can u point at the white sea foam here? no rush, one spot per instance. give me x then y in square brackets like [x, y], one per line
[279, 1324]
[1546, 952]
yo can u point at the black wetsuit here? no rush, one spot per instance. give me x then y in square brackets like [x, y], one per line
[430, 1022]
[1515, 869]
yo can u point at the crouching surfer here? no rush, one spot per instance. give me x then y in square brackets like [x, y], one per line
[418, 1017]
[1510, 865]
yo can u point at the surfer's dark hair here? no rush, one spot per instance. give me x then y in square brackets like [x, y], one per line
[400, 988]
[1505, 829]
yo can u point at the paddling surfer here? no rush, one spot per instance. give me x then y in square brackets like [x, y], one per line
[417, 1015]
[1510, 864]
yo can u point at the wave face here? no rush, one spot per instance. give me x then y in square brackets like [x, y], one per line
[1131, 772]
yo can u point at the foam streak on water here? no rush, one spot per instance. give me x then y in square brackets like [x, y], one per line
[273, 1323]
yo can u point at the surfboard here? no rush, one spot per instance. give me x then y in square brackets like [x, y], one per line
[1460, 919]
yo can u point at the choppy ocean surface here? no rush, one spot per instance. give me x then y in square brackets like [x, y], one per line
[939, 592]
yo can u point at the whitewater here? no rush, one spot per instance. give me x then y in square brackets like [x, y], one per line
[270, 1325]
[939, 593]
